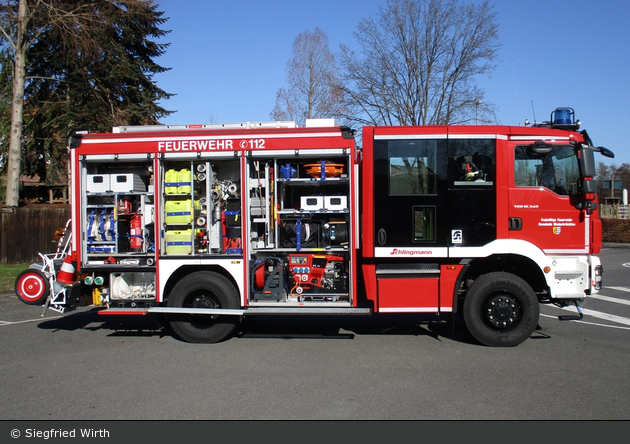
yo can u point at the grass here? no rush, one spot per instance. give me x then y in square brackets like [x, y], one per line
[8, 273]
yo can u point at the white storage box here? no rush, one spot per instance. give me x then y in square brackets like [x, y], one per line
[149, 216]
[97, 183]
[311, 203]
[335, 203]
[126, 183]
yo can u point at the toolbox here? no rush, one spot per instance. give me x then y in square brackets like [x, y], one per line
[126, 183]
[97, 183]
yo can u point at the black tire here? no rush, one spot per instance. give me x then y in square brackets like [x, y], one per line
[32, 287]
[203, 289]
[501, 310]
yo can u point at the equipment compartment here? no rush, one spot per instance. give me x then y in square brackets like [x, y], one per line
[201, 207]
[132, 286]
[117, 220]
[300, 278]
[299, 236]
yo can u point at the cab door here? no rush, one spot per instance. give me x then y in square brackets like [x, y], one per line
[472, 193]
[542, 195]
[409, 196]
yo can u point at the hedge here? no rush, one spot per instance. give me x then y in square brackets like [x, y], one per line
[616, 230]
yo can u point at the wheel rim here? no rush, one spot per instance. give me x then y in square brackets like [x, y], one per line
[31, 286]
[202, 299]
[501, 312]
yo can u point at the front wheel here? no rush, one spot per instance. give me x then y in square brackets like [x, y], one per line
[501, 310]
[31, 286]
[203, 289]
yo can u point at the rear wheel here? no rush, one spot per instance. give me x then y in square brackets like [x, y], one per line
[501, 310]
[31, 287]
[203, 289]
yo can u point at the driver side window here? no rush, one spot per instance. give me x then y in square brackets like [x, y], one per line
[558, 170]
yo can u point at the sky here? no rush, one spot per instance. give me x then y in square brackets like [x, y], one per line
[228, 58]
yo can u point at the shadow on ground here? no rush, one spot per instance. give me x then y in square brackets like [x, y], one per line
[281, 327]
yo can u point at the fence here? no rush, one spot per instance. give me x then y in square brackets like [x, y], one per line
[614, 211]
[26, 231]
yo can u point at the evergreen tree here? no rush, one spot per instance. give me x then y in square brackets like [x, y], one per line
[94, 73]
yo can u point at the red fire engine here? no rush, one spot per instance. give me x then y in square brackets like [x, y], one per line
[206, 224]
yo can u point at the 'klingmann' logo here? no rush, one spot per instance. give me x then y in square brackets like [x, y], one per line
[396, 251]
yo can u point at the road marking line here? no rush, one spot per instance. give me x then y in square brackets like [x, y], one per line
[591, 323]
[599, 315]
[601, 297]
[620, 289]
[28, 320]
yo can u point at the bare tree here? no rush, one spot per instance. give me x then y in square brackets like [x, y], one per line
[418, 64]
[312, 90]
[607, 175]
[22, 23]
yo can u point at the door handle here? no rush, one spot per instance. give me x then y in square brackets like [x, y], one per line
[515, 223]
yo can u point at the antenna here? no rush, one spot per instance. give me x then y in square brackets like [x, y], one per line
[534, 112]
[518, 107]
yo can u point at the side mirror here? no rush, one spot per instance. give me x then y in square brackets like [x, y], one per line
[589, 186]
[587, 162]
[605, 151]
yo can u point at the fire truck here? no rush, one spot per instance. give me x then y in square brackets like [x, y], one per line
[208, 224]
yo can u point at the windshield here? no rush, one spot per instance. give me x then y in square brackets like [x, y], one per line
[557, 170]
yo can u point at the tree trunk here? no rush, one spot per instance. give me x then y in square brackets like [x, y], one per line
[17, 111]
